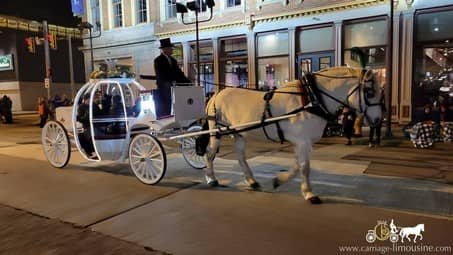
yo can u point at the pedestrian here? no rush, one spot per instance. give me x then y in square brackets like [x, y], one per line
[1, 110]
[349, 117]
[65, 100]
[43, 111]
[375, 129]
[6, 106]
[358, 126]
[167, 74]
[427, 114]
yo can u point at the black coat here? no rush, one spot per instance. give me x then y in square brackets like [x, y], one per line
[166, 74]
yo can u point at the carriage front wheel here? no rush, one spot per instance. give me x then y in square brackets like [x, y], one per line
[147, 158]
[189, 152]
[55, 143]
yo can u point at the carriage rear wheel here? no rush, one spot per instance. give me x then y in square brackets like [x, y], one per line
[189, 152]
[56, 144]
[147, 158]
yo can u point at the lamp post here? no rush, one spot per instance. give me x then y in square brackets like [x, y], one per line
[388, 132]
[195, 6]
[87, 25]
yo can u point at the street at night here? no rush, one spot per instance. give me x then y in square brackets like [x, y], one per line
[226, 127]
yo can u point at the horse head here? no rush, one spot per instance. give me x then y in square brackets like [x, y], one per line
[356, 88]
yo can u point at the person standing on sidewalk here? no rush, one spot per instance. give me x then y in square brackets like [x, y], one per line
[43, 111]
[349, 117]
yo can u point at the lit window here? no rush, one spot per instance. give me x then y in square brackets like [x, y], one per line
[170, 7]
[202, 4]
[233, 3]
[141, 11]
[117, 13]
[95, 13]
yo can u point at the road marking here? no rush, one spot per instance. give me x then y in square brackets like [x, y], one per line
[270, 176]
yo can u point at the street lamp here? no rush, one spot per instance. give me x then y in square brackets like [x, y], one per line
[86, 25]
[195, 6]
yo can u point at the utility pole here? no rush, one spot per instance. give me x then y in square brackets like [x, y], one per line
[71, 67]
[47, 57]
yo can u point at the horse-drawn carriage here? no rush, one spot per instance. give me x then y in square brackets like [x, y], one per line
[123, 126]
[296, 113]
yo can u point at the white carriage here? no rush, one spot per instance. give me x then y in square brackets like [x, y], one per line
[123, 127]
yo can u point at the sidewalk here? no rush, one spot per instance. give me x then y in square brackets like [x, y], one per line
[24, 233]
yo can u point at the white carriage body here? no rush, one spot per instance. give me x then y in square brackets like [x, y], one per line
[187, 107]
[117, 121]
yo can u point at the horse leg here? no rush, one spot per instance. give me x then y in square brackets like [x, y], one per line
[304, 162]
[211, 152]
[239, 146]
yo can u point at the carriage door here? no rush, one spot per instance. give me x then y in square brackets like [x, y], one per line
[109, 123]
[314, 62]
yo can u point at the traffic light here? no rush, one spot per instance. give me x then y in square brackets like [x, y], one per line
[30, 44]
[52, 38]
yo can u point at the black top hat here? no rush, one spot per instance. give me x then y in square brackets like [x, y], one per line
[165, 43]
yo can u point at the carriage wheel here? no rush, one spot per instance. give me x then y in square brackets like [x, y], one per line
[188, 150]
[56, 144]
[147, 158]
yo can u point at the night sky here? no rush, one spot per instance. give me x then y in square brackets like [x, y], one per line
[56, 12]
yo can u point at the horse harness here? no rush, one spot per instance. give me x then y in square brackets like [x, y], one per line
[311, 101]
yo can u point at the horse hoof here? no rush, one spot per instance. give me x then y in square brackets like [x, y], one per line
[315, 200]
[255, 186]
[213, 183]
[275, 183]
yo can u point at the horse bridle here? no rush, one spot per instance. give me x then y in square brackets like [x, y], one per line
[363, 87]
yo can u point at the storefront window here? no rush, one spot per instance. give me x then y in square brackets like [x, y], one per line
[233, 61]
[316, 39]
[433, 60]
[178, 55]
[371, 38]
[315, 49]
[206, 65]
[273, 68]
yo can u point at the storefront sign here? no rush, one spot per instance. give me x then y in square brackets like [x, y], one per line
[6, 62]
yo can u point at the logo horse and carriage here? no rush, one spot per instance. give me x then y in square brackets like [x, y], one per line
[383, 231]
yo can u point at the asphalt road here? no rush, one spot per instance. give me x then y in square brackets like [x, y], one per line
[103, 209]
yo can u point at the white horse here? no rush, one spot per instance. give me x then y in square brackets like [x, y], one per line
[232, 106]
[416, 231]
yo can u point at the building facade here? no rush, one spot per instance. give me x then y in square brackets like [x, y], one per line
[22, 58]
[263, 43]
